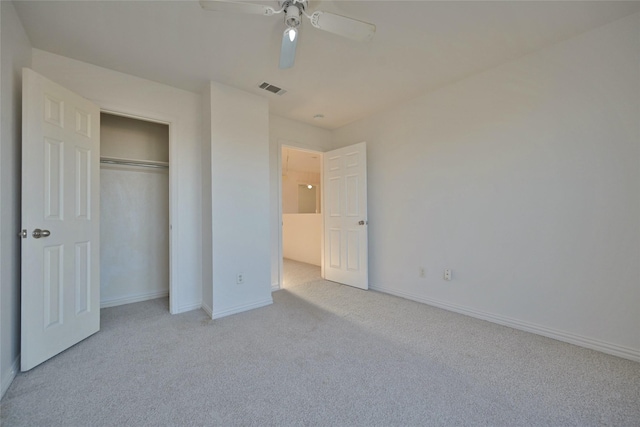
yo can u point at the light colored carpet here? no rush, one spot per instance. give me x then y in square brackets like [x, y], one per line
[298, 273]
[322, 354]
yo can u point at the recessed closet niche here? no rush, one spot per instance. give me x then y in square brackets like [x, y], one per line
[134, 208]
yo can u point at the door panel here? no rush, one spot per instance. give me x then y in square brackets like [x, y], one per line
[345, 216]
[334, 248]
[352, 196]
[53, 280]
[83, 184]
[60, 188]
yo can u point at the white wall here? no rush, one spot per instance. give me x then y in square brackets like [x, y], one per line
[294, 134]
[124, 93]
[301, 237]
[134, 212]
[207, 234]
[239, 197]
[15, 53]
[525, 180]
[128, 138]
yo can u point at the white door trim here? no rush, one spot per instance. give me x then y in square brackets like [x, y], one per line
[296, 146]
[148, 116]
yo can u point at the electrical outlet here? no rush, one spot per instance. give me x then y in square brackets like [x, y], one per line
[447, 274]
[240, 278]
[423, 272]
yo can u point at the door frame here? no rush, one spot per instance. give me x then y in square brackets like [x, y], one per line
[148, 116]
[296, 146]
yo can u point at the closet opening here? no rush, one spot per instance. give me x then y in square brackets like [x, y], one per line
[134, 210]
[301, 208]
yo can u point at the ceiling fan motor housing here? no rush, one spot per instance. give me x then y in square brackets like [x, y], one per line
[292, 16]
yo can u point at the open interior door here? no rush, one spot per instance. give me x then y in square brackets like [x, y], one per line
[60, 219]
[345, 216]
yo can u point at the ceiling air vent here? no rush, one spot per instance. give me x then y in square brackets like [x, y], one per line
[271, 88]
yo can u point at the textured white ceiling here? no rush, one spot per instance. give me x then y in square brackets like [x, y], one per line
[419, 46]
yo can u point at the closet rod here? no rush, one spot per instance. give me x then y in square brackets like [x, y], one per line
[128, 162]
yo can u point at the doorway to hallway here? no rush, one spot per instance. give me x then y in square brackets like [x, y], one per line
[301, 215]
[296, 273]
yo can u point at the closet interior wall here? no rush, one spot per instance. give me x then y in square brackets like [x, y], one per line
[134, 209]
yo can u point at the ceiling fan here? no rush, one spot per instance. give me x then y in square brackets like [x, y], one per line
[293, 10]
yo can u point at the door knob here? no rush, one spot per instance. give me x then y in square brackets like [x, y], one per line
[37, 233]
[362, 222]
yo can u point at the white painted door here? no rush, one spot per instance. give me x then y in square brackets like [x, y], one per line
[60, 196]
[345, 216]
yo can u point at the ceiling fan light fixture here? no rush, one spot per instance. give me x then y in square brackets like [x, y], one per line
[292, 16]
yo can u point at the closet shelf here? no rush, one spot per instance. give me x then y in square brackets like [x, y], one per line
[133, 162]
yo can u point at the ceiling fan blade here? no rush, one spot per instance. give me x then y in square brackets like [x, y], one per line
[237, 6]
[288, 49]
[343, 26]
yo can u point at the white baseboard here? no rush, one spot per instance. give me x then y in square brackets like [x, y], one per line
[275, 287]
[207, 310]
[7, 377]
[240, 308]
[568, 337]
[144, 296]
[189, 307]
